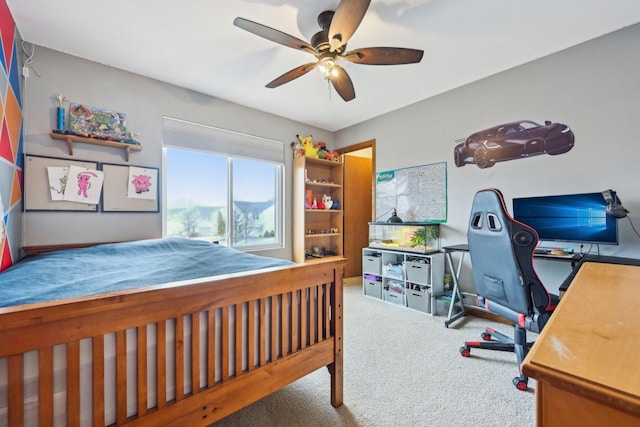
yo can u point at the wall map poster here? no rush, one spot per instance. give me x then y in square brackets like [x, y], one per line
[419, 194]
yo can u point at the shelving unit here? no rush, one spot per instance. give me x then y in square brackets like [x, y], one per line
[316, 230]
[406, 279]
[70, 139]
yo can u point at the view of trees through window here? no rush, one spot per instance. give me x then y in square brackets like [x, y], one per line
[230, 200]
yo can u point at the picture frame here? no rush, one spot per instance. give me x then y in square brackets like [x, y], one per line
[37, 188]
[119, 193]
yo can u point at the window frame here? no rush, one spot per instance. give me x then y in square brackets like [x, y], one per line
[217, 139]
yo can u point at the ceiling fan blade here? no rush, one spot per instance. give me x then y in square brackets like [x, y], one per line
[346, 19]
[343, 85]
[273, 35]
[383, 56]
[291, 75]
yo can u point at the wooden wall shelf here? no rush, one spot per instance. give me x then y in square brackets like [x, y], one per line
[70, 139]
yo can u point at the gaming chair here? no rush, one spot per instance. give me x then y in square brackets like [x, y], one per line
[501, 251]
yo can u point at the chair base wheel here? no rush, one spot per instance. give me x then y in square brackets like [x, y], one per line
[520, 384]
[465, 351]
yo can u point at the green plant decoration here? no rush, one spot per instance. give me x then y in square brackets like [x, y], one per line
[422, 235]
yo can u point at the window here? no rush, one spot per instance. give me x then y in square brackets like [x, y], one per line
[217, 196]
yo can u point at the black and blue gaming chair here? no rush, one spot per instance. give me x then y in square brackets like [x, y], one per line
[501, 251]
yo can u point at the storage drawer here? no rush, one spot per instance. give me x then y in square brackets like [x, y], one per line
[419, 300]
[372, 264]
[373, 288]
[393, 297]
[418, 272]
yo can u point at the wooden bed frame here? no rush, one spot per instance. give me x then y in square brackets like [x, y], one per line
[262, 330]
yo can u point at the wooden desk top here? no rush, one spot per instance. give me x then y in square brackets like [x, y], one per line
[591, 344]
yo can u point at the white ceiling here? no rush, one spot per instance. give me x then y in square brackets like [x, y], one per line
[194, 44]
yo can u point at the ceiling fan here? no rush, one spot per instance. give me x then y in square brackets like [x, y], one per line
[329, 46]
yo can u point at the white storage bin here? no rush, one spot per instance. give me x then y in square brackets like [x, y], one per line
[419, 300]
[418, 272]
[393, 297]
[372, 264]
[373, 286]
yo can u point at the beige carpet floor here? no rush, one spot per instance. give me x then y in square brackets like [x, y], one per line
[402, 368]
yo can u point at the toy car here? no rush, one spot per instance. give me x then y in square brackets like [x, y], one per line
[513, 141]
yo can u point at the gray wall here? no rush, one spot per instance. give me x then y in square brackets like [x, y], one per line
[145, 101]
[593, 87]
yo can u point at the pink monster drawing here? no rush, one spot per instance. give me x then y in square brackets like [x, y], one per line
[141, 183]
[83, 183]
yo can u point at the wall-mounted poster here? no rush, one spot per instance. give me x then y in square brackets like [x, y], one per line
[45, 180]
[419, 194]
[130, 189]
[511, 141]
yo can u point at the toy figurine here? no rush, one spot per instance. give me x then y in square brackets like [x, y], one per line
[326, 200]
[307, 199]
[335, 204]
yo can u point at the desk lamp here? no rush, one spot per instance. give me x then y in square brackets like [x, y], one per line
[614, 206]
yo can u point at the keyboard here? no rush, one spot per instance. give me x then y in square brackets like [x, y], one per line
[552, 251]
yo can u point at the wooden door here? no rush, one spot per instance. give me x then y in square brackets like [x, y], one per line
[357, 206]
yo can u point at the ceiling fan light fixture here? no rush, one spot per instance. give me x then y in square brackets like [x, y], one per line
[327, 67]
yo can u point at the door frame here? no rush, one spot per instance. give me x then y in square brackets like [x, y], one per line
[354, 268]
[361, 146]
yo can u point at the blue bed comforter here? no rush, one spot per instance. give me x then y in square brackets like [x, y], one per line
[118, 266]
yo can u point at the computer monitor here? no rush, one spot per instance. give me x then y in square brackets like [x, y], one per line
[577, 218]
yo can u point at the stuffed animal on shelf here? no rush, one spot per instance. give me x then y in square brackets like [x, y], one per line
[333, 155]
[321, 147]
[307, 144]
[323, 153]
[298, 149]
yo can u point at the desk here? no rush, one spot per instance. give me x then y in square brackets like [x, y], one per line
[463, 249]
[585, 360]
[455, 273]
[581, 259]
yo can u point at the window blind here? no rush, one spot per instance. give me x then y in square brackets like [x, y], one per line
[184, 134]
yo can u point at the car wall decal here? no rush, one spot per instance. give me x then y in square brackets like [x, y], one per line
[510, 141]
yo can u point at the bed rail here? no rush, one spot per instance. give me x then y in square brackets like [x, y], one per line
[186, 353]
